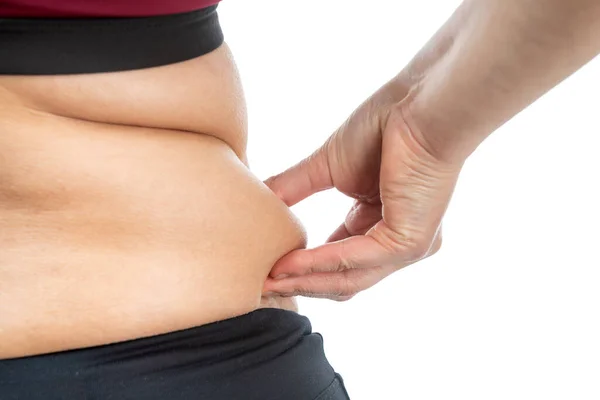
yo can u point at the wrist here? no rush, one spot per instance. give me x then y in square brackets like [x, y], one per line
[445, 114]
[446, 140]
[401, 101]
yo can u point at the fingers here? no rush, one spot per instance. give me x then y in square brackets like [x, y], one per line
[376, 248]
[306, 178]
[361, 217]
[339, 234]
[339, 286]
[340, 270]
[375, 239]
[329, 286]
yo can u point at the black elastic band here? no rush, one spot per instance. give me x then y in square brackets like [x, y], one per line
[73, 46]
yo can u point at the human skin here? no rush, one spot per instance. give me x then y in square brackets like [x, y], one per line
[127, 208]
[399, 155]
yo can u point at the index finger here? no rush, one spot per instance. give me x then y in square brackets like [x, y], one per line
[304, 179]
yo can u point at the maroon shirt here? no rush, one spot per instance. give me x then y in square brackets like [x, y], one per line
[97, 8]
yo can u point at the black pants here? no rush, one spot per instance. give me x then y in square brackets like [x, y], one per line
[268, 354]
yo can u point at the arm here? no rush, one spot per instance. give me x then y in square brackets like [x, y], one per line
[400, 153]
[488, 62]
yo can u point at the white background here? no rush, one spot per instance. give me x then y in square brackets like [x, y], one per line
[510, 307]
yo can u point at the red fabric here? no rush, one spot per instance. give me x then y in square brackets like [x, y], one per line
[98, 8]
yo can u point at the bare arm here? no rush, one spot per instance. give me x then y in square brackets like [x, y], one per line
[400, 153]
[491, 60]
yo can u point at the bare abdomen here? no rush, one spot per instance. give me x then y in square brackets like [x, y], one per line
[110, 232]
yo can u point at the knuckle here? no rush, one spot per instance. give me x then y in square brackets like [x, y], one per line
[345, 262]
[416, 248]
[405, 245]
[312, 263]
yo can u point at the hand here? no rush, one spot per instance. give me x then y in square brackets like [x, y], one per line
[401, 193]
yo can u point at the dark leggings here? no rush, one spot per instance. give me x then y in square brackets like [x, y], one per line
[268, 354]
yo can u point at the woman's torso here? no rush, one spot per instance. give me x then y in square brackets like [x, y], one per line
[127, 208]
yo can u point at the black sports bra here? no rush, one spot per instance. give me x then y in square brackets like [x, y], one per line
[74, 36]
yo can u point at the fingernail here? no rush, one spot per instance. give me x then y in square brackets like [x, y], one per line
[281, 276]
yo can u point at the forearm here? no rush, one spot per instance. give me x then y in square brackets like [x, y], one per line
[491, 60]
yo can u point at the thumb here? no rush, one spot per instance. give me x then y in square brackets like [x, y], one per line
[304, 179]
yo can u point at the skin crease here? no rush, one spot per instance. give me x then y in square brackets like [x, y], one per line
[127, 208]
[126, 196]
[400, 153]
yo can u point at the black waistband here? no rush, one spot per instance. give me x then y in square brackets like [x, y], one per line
[75, 46]
[266, 354]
